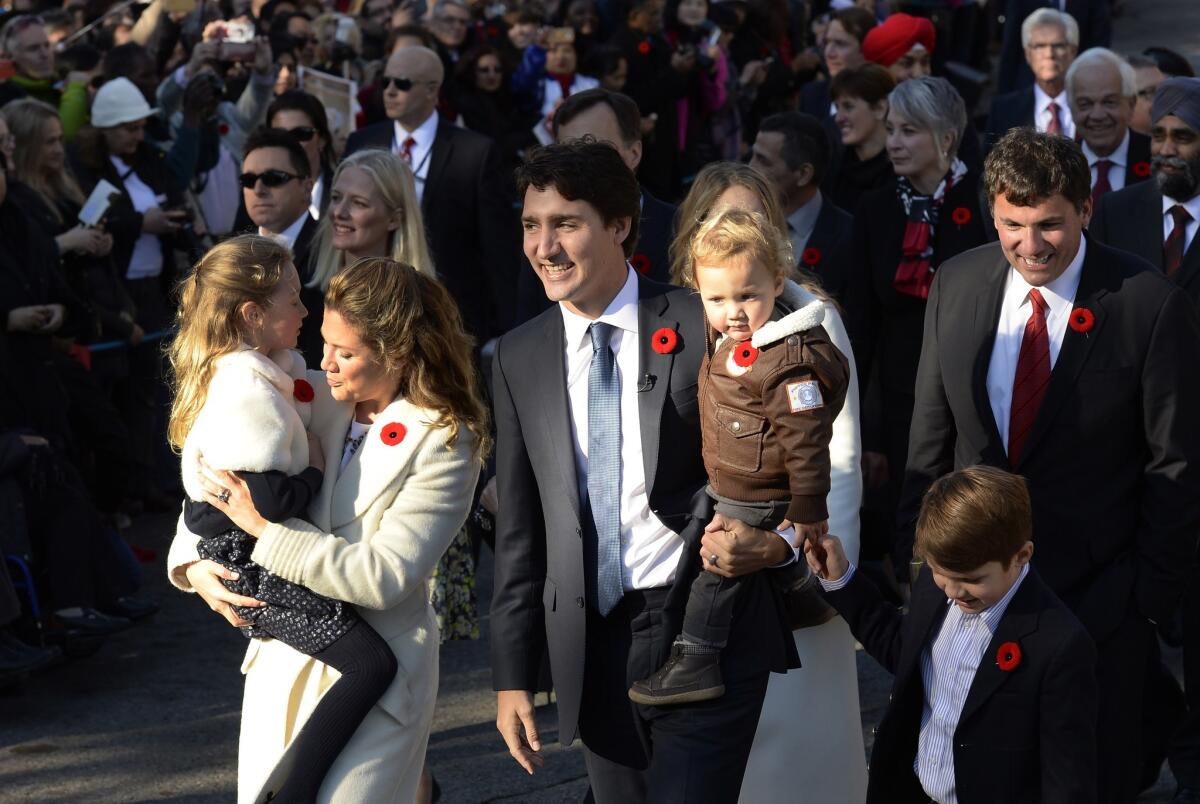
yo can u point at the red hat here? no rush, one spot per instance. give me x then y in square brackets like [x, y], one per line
[886, 43]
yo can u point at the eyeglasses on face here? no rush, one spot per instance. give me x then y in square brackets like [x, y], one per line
[270, 178]
[301, 133]
[403, 84]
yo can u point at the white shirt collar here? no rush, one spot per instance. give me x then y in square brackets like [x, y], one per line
[1192, 205]
[1059, 294]
[288, 236]
[622, 313]
[1119, 157]
[1041, 100]
[423, 134]
[804, 219]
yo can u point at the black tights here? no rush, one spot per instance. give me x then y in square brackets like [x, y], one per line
[367, 666]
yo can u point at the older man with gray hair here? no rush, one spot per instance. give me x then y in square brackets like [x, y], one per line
[1102, 91]
[1051, 41]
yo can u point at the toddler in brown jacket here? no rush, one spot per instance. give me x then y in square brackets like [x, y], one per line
[771, 384]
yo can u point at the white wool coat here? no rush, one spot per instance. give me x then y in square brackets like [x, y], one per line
[377, 531]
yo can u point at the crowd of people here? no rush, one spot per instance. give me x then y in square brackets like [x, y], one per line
[469, 162]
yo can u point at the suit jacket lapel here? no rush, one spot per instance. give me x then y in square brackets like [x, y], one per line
[1075, 349]
[1020, 619]
[439, 156]
[377, 463]
[987, 317]
[654, 372]
[551, 379]
[928, 610]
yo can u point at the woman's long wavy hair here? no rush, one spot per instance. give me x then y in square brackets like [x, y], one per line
[394, 180]
[242, 269]
[27, 120]
[713, 180]
[414, 329]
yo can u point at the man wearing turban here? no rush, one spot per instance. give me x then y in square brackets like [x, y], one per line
[903, 44]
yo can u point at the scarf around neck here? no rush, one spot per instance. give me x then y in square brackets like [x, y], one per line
[914, 274]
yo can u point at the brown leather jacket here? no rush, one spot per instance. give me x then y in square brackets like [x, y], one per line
[766, 428]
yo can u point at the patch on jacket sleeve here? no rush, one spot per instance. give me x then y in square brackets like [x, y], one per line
[804, 395]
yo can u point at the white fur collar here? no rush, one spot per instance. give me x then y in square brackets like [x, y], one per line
[809, 312]
[281, 368]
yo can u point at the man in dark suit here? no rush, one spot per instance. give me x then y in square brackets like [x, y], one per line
[1102, 91]
[1051, 42]
[792, 151]
[1094, 27]
[603, 509]
[1073, 364]
[468, 215]
[1157, 221]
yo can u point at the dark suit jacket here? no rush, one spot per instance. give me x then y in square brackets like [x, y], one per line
[824, 257]
[469, 218]
[1111, 461]
[1095, 30]
[1137, 165]
[310, 343]
[1131, 219]
[1010, 110]
[1024, 735]
[540, 595]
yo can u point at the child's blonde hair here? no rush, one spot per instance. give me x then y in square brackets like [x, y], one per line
[735, 232]
[242, 269]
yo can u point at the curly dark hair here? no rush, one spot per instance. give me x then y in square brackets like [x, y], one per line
[1027, 167]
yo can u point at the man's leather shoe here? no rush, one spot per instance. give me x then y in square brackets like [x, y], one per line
[685, 678]
[90, 621]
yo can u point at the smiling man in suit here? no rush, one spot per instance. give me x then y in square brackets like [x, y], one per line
[1073, 364]
[1102, 91]
[460, 184]
[603, 505]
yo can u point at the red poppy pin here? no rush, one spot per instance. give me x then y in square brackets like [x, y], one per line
[392, 434]
[1082, 320]
[1008, 656]
[811, 256]
[643, 47]
[1141, 169]
[303, 391]
[493, 31]
[641, 263]
[961, 216]
[223, 129]
[744, 355]
[664, 341]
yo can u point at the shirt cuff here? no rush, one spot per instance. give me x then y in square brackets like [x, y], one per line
[833, 586]
[789, 536]
[180, 76]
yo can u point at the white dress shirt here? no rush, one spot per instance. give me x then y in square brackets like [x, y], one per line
[1192, 205]
[1042, 114]
[948, 668]
[650, 550]
[422, 149]
[147, 258]
[801, 224]
[288, 236]
[1059, 296]
[1119, 159]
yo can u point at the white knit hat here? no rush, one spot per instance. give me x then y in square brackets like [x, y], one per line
[119, 102]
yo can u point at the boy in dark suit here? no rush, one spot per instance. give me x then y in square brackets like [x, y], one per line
[995, 696]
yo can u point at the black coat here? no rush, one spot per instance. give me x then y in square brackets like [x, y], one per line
[1010, 110]
[1024, 735]
[1111, 461]
[849, 177]
[1095, 30]
[825, 255]
[472, 228]
[1131, 219]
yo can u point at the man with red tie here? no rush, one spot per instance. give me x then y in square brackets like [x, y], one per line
[1072, 364]
[1102, 92]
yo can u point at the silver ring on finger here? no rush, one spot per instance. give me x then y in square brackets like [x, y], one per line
[224, 496]
[712, 559]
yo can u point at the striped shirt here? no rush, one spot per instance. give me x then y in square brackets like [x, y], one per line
[948, 667]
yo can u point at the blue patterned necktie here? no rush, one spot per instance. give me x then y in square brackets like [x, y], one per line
[604, 466]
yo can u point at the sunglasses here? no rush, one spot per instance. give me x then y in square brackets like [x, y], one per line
[301, 133]
[270, 178]
[402, 84]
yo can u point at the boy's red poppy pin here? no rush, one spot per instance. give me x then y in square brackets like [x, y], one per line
[744, 355]
[392, 434]
[1008, 656]
[303, 391]
[664, 341]
[1082, 320]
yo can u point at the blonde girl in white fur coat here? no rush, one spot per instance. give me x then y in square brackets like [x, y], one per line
[242, 402]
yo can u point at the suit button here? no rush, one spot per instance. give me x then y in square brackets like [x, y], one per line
[736, 427]
[579, 602]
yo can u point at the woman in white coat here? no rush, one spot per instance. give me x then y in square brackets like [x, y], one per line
[398, 413]
[809, 734]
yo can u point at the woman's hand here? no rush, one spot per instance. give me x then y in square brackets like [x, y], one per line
[82, 239]
[159, 221]
[316, 456]
[31, 318]
[230, 495]
[205, 577]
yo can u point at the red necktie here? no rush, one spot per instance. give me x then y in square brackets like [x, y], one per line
[1055, 124]
[1031, 379]
[1173, 247]
[406, 150]
[1101, 186]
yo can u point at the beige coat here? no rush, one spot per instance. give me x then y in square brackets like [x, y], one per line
[378, 530]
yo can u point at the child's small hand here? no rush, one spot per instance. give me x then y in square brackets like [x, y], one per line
[316, 456]
[808, 531]
[826, 558]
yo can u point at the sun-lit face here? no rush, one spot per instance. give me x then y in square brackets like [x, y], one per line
[1102, 113]
[1175, 147]
[739, 294]
[841, 49]
[1049, 54]
[277, 325]
[1042, 240]
[362, 223]
[981, 588]
[912, 149]
[858, 120]
[352, 369]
